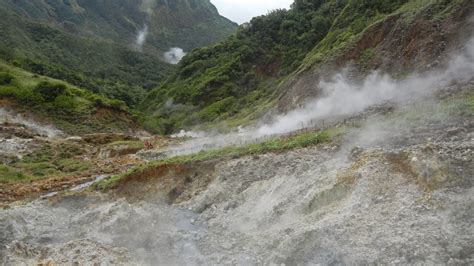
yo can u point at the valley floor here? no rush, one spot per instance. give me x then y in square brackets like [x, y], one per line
[397, 188]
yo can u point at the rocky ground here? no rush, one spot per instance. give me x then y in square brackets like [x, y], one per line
[397, 189]
[64, 161]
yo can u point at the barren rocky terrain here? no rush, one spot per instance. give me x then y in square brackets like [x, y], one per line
[397, 188]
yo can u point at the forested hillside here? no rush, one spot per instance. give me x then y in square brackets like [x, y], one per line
[180, 23]
[241, 78]
[94, 44]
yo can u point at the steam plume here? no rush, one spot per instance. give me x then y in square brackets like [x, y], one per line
[45, 130]
[141, 37]
[174, 55]
[342, 97]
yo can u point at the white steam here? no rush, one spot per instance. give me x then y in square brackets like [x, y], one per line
[141, 37]
[147, 8]
[45, 130]
[189, 134]
[174, 55]
[342, 98]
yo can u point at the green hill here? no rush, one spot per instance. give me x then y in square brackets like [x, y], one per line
[69, 108]
[92, 44]
[180, 23]
[278, 59]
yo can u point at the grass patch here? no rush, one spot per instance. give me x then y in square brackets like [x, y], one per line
[274, 145]
[51, 160]
[462, 104]
[10, 175]
[72, 165]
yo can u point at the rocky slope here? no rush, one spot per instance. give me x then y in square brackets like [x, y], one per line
[404, 42]
[37, 158]
[397, 188]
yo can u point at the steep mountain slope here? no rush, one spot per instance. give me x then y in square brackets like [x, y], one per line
[96, 45]
[417, 37]
[184, 23]
[278, 59]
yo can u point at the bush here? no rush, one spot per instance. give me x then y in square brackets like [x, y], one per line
[5, 78]
[64, 102]
[50, 91]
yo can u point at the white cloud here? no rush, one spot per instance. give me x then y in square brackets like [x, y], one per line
[243, 10]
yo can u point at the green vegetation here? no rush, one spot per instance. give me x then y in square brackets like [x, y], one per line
[351, 22]
[100, 66]
[71, 109]
[230, 83]
[50, 160]
[460, 104]
[185, 23]
[5, 78]
[50, 91]
[8, 174]
[236, 78]
[92, 45]
[241, 78]
[273, 145]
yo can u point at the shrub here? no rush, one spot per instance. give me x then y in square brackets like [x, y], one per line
[49, 91]
[98, 102]
[64, 102]
[5, 78]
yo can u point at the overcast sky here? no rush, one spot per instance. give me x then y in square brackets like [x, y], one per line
[242, 11]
